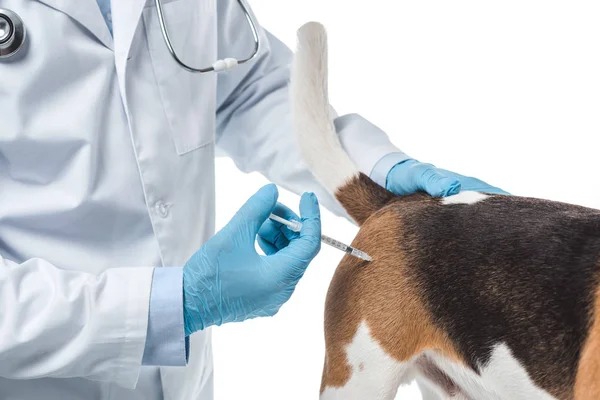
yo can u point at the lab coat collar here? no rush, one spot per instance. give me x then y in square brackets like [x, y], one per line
[87, 13]
[126, 17]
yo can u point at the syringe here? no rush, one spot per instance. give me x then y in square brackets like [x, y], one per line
[296, 226]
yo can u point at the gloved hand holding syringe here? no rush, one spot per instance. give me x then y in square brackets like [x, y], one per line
[296, 226]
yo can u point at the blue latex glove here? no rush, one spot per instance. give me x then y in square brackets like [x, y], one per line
[412, 176]
[228, 281]
[273, 236]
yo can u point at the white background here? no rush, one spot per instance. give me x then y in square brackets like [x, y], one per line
[506, 91]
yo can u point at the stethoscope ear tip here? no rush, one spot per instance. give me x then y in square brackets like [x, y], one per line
[12, 33]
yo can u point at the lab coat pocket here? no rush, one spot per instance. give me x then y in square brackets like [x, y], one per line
[188, 98]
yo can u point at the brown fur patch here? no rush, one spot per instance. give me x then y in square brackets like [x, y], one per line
[362, 197]
[401, 325]
[587, 381]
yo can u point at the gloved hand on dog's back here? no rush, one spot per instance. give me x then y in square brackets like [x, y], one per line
[228, 281]
[412, 176]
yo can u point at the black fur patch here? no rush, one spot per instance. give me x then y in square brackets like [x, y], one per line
[508, 270]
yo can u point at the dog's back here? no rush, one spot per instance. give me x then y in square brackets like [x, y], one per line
[480, 296]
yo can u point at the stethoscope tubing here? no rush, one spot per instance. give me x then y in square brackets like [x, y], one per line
[15, 39]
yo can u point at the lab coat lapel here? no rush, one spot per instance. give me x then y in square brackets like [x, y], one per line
[87, 13]
[126, 17]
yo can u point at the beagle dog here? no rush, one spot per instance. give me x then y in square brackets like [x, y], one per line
[478, 296]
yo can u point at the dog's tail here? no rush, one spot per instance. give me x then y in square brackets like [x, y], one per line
[314, 129]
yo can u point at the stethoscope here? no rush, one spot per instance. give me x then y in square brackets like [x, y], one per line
[12, 33]
[12, 38]
[219, 65]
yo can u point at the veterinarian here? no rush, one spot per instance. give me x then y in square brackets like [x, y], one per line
[110, 273]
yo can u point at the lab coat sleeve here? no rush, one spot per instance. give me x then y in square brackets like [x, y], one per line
[383, 167]
[165, 339]
[254, 125]
[60, 324]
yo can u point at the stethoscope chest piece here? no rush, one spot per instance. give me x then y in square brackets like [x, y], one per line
[12, 33]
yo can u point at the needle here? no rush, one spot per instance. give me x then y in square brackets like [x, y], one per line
[296, 226]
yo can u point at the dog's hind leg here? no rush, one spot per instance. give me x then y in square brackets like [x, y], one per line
[434, 383]
[362, 370]
[376, 323]
[428, 392]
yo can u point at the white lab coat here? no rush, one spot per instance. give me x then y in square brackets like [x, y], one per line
[107, 171]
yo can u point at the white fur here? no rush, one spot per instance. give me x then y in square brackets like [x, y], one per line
[466, 197]
[379, 377]
[502, 378]
[312, 114]
[429, 390]
[376, 375]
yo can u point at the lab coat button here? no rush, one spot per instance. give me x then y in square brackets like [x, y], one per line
[162, 209]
